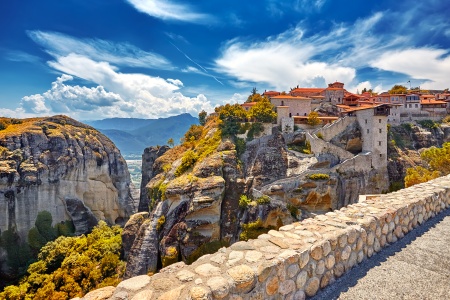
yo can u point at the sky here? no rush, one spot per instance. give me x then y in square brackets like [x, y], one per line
[96, 59]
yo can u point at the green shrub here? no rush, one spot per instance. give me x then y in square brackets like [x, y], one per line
[244, 201]
[206, 248]
[430, 124]
[407, 126]
[319, 176]
[16, 121]
[254, 130]
[241, 145]
[161, 222]
[293, 210]
[194, 133]
[253, 229]
[263, 200]
[188, 160]
[320, 135]
[244, 127]
[3, 125]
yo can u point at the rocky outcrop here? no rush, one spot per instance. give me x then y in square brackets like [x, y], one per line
[62, 166]
[406, 142]
[148, 159]
[349, 139]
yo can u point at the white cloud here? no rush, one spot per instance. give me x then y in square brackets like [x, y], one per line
[21, 56]
[235, 98]
[168, 10]
[120, 54]
[281, 61]
[117, 94]
[428, 65]
[359, 87]
[62, 98]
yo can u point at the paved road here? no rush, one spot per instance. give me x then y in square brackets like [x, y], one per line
[416, 267]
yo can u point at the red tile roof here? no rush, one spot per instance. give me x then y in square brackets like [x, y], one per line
[290, 97]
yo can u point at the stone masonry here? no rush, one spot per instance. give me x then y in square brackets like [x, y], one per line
[299, 259]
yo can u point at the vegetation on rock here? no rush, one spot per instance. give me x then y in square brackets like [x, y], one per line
[72, 266]
[438, 161]
[319, 176]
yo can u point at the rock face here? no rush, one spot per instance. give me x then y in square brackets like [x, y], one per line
[405, 145]
[148, 159]
[62, 166]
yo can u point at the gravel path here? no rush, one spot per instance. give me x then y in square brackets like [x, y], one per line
[416, 267]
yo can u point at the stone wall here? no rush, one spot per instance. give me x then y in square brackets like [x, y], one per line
[329, 131]
[299, 259]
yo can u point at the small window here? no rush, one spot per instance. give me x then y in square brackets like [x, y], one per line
[282, 103]
[379, 120]
[381, 155]
[380, 130]
[366, 121]
[416, 105]
[379, 143]
[367, 130]
[290, 115]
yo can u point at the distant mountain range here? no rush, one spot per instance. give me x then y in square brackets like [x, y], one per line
[133, 135]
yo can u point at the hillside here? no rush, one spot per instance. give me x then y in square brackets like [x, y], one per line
[132, 135]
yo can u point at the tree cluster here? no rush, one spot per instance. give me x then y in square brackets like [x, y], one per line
[70, 267]
[438, 160]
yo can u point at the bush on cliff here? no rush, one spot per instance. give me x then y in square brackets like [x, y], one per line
[72, 266]
[438, 160]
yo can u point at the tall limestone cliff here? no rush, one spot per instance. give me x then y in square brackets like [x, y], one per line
[64, 167]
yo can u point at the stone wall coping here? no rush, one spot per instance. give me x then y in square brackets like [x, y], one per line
[300, 258]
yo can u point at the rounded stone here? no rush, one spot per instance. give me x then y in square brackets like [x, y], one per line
[272, 285]
[385, 229]
[304, 259]
[207, 270]
[200, 293]
[301, 279]
[326, 247]
[286, 287]
[244, 278]
[342, 241]
[351, 236]
[330, 261]
[370, 238]
[339, 269]
[185, 275]
[378, 232]
[326, 278]
[360, 256]
[320, 269]
[316, 252]
[299, 295]
[219, 287]
[253, 256]
[292, 270]
[346, 253]
[312, 286]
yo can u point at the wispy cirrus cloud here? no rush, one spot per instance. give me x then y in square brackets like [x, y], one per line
[20, 56]
[120, 54]
[170, 11]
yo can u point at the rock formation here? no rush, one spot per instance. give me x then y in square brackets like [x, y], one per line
[198, 211]
[406, 142]
[62, 166]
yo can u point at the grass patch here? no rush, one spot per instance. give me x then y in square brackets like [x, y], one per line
[319, 176]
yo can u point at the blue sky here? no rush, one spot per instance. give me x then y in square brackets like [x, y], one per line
[138, 58]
